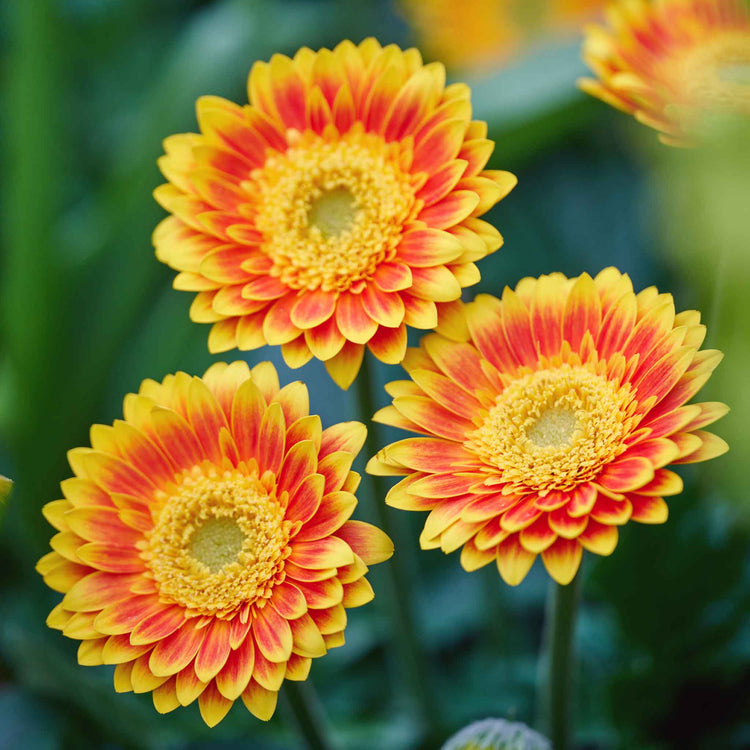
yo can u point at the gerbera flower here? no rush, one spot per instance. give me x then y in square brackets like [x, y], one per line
[551, 417]
[204, 545]
[337, 208]
[670, 62]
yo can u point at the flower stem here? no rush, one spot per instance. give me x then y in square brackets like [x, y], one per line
[556, 700]
[304, 704]
[397, 588]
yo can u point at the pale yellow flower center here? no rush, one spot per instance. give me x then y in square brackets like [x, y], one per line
[715, 75]
[332, 210]
[219, 542]
[556, 428]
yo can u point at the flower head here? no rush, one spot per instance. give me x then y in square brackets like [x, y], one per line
[551, 417]
[204, 545]
[334, 210]
[671, 62]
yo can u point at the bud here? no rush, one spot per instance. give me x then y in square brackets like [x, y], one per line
[497, 734]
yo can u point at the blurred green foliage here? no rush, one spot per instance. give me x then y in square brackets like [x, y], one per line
[91, 88]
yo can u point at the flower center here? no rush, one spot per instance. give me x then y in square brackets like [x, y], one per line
[716, 75]
[219, 542]
[554, 429]
[332, 211]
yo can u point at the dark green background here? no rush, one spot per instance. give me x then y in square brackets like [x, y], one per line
[91, 87]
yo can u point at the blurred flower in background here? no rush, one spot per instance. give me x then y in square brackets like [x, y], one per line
[204, 545]
[672, 63]
[479, 35]
[551, 415]
[335, 210]
[700, 195]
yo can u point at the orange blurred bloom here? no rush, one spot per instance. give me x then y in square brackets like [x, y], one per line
[204, 545]
[481, 34]
[551, 415]
[337, 208]
[671, 62]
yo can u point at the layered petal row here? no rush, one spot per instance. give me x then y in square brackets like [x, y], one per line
[547, 420]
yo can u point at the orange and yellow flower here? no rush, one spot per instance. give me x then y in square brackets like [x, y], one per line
[334, 210]
[467, 36]
[551, 417]
[204, 545]
[671, 62]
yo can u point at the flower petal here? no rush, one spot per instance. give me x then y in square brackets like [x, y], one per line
[260, 702]
[344, 366]
[213, 705]
[352, 319]
[626, 474]
[313, 308]
[301, 461]
[389, 344]
[513, 560]
[562, 560]
[214, 651]
[272, 635]
[368, 542]
[172, 654]
[235, 675]
[649, 509]
[385, 308]
[330, 552]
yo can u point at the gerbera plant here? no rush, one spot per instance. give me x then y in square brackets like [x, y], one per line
[551, 416]
[671, 62]
[205, 545]
[334, 210]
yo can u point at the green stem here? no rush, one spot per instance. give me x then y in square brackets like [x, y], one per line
[562, 603]
[306, 708]
[397, 589]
